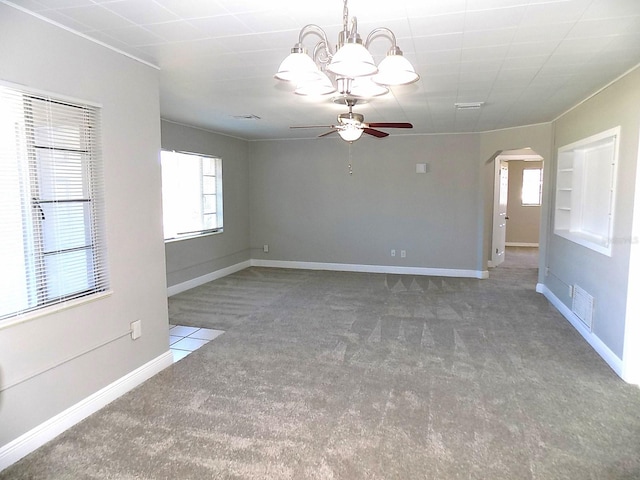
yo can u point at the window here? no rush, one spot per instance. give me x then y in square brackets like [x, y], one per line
[52, 247]
[585, 191]
[532, 186]
[191, 194]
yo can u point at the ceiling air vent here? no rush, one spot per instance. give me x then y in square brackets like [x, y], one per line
[468, 105]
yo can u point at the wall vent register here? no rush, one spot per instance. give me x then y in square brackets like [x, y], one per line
[582, 306]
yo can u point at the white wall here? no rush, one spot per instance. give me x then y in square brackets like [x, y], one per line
[631, 348]
[50, 362]
[307, 208]
[604, 277]
[198, 257]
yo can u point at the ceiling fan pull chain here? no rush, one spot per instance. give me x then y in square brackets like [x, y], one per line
[350, 157]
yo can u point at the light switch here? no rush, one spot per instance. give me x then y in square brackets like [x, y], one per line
[421, 168]
[136, 329]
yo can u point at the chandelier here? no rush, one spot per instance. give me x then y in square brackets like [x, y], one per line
[349, 68]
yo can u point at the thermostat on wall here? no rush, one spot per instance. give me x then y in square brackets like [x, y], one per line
[421, 168]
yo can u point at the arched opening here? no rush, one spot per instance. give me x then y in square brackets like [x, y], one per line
[517, 202]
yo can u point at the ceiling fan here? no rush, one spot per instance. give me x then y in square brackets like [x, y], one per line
[351, 125]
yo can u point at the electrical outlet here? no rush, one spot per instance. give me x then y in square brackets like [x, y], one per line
[265, 248]
[393, 253]
[403, 254]
[546, 271]
[136, 329]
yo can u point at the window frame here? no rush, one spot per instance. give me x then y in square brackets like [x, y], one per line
[52, 175]
[218, 194]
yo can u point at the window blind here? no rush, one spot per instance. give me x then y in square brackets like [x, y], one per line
[51, 204]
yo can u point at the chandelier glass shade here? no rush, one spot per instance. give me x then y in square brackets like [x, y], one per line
[320, 84]
[349, 68]
[395, 70]
[297, 67]
[365, 87]
[352, 60]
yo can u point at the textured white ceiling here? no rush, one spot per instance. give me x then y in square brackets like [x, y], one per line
[527, 60]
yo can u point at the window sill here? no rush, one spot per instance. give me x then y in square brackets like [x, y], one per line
[196, 235]
[593, 242]
[52, 309]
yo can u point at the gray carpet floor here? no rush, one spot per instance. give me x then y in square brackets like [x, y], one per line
[325, 375]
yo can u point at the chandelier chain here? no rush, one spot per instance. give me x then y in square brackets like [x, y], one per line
[345, 16]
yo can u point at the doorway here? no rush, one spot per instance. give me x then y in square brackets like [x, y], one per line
[517, 202]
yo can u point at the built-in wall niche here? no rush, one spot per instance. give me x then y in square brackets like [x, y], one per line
[586, 190]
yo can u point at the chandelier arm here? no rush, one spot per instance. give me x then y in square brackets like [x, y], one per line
[379, 32]
[312, 28]
[353, 33]
[318, 51]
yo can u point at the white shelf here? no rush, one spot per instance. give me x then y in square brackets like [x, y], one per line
[585, 186]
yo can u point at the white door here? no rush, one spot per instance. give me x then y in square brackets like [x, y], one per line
[500, 211]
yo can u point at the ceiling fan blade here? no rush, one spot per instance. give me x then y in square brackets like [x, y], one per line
[391, 125]
[328, 133]
[375, 133]
[312, 126]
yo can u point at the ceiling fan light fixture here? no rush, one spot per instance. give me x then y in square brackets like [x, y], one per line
[350, 132]
[395, 69]
[298, 66]
[351, 126]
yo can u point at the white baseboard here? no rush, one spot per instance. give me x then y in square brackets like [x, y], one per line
[338, 267]
[348, 267]
[38, 436]
[592, 339]
[522, 244]
[209, 277]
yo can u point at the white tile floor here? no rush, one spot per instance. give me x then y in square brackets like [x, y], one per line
[184, 340]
